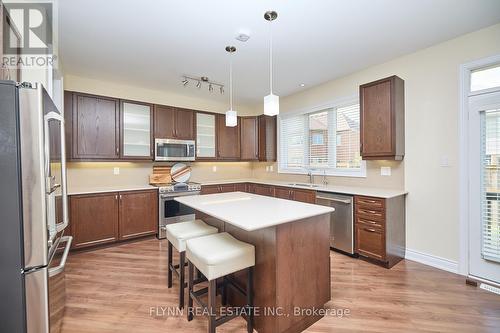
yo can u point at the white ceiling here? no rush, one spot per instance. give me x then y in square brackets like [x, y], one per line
[153, 43]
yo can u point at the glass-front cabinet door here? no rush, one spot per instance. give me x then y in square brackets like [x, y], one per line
[136, 130]
[205, 136]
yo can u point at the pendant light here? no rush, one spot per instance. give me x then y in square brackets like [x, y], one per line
[231, 115]
[271, 101]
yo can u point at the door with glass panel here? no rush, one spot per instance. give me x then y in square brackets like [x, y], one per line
[205, 136]
[136, 130]
[484, 177]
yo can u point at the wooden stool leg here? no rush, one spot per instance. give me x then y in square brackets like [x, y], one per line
[250, 300]
[212, 288]
[181, 275]
[169, 278]
[224, 291]
[190, 289]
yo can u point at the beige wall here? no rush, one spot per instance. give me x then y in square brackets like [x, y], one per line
[432, 112]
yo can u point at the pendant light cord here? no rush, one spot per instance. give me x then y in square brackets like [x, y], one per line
[231, 81]
[270, 57]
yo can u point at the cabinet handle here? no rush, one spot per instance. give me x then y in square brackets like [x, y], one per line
[369, 230]
[116, 197]
[120, 197]
[367, 221]
[117, 150]
[369, 211]
[367, 201]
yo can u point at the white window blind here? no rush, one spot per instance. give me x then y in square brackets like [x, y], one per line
[490, 189]
[325, 141]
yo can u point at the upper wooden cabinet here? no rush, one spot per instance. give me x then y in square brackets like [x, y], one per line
[249, 138]
[382, 119]
[136, 127]
[228, 139]
[174, 123]
[267, 132]
[93, 126]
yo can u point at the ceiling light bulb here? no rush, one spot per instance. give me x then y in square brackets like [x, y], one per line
[185, 82]
[302, 84]
[210, 87]
[221, 90]
[198, 85]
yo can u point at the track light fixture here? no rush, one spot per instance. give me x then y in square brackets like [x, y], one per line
[201, 81]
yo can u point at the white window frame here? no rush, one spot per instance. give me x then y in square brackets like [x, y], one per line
[341, 102]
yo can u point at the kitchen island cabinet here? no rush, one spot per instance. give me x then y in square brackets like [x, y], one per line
[292, 253]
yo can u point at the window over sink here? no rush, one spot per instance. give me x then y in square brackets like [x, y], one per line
[323, 140]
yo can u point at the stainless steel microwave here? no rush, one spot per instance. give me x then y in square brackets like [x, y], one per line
[174, 150]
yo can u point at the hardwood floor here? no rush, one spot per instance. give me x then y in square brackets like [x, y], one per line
[114, 289]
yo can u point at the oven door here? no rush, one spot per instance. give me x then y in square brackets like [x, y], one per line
[171, 211]
[174, 150]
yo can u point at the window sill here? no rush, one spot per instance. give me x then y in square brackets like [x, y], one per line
[331, 173]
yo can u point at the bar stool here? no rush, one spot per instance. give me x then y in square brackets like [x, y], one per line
[218, 256]
[177, 234]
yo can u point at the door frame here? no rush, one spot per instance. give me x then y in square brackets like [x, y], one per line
[464, 86]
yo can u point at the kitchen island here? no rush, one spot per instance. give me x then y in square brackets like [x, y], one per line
[292, 254]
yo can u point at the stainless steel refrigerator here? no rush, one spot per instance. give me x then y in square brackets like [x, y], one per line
[33, 208]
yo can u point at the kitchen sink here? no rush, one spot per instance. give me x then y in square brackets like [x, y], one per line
[305, 185]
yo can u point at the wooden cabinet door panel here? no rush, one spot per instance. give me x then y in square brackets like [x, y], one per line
[210, 189]
[283, 193]
[164, 120]
[227, 188]
[184, 124]
[240, 187]
[94, 219]
[95, 127]
[304, 196]
[377, 119]
[267, 138]
[370, 242]
[228, 140]
[138, 214]
[249, 138]
[264, 190]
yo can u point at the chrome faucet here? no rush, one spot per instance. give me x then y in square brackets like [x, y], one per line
[311, 176]
[325, 181]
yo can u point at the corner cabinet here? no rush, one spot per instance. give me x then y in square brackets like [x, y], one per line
[136, 129]
[382, 119]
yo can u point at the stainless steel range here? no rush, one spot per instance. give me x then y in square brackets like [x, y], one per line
[170, 211]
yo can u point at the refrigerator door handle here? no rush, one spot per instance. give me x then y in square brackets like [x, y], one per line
[60, 268]
[51, 187]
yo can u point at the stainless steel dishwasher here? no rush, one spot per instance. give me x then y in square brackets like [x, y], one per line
[341, 220]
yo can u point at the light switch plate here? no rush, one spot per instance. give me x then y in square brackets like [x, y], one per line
[271, 168]
[116, 171]
[385, 171]
[445, 161]
[267, 168]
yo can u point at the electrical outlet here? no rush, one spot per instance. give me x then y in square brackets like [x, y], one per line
[116, 171]
[445, 161]
[214, 168]
[271, 168]
[385, 171]
[267, 168]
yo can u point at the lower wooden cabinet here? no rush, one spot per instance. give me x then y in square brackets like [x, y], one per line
[109, 217]
[138, 214]
[380, 229]
[304, 195]
[94, 219]
[263, 189]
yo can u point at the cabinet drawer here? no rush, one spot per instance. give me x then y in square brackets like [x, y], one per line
[370, 214]
[370, 223]
[370, 242]
[370, 203]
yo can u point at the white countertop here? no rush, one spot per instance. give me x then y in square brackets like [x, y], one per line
[252, 212]
[105, 189]
[353, 190]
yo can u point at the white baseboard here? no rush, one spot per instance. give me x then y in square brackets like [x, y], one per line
[431, 260]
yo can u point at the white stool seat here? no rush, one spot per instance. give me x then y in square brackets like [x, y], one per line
[219, 254]
[178, 233]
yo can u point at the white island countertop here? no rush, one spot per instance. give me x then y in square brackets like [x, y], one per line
[252, 212]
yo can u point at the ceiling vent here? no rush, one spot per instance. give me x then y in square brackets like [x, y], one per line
[242, 37]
